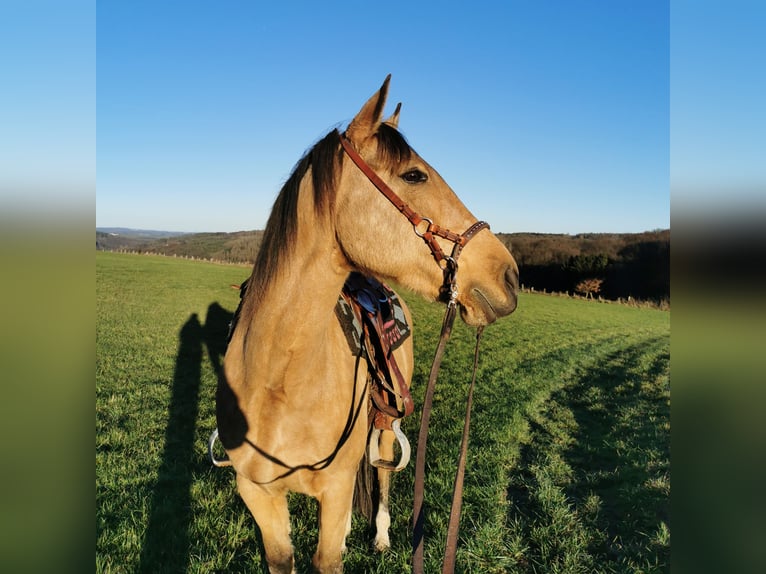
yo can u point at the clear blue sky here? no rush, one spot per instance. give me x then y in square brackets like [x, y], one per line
[543, 116]
[718, 116]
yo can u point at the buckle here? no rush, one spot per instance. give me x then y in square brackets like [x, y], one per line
[428, 227]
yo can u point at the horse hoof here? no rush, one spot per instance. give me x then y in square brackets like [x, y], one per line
[382, 543]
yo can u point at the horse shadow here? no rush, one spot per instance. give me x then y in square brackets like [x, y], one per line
[166, 543]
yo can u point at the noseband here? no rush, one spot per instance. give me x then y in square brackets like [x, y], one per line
[427, 230]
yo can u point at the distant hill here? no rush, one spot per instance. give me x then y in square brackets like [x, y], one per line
[237, 247]
[117, 238]
[106, 241]
[140, 233]
[628, 264]
[546, 248]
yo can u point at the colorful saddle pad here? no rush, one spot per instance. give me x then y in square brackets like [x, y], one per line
[375, 298]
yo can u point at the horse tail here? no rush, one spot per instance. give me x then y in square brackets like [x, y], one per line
[366, 488]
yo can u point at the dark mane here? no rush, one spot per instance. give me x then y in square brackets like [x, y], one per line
[324, 159]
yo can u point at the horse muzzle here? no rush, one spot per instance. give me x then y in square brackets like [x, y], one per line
[484, 304]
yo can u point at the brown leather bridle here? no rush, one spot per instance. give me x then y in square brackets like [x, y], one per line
[423, 227]
[448, 263]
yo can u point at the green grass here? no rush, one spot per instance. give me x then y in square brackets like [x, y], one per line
[568, 465]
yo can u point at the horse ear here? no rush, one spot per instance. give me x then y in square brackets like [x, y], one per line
[366, 122]
[393, 121]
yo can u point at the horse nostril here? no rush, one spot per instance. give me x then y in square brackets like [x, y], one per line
[512, 279]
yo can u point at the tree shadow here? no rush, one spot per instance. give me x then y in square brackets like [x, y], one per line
[166, 542]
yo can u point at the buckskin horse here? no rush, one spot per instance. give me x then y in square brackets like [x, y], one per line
[292, 406]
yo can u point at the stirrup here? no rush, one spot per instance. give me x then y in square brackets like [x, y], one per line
[213, 459]
[404, 445]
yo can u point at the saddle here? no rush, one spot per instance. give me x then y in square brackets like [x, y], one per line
[375, 325]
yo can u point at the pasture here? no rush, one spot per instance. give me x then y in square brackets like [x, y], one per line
[569, 459]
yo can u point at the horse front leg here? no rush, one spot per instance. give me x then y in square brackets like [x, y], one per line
[335, 504]
[273, 518]
[382, 514]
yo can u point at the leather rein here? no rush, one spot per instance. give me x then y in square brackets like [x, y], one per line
[427, 230]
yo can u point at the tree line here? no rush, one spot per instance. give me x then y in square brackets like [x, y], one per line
[606, 265]
[611, 266]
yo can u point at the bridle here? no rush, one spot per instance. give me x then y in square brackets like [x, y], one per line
[427, 230]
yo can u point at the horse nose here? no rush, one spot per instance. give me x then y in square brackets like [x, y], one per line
[512, 286]
[512, 278]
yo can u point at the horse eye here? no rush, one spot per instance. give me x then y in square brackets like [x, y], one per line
[414, 176]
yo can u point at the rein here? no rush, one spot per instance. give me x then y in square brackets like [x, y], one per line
[448, 263]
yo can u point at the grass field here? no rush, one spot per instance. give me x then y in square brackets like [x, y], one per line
[568, 467]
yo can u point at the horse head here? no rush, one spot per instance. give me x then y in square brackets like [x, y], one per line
[388, 241]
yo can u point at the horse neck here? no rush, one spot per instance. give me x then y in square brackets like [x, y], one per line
[296, 309]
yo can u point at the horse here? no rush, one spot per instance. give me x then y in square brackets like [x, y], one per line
[291, 406]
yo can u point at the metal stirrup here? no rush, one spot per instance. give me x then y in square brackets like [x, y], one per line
[213, 459]
[404, 445]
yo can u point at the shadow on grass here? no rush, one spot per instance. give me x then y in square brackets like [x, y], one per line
[622, 454]
[166, 544]
[592, 486]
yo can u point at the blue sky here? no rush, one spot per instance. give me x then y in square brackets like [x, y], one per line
[718, 117]
[47, 106]
[543, 116]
